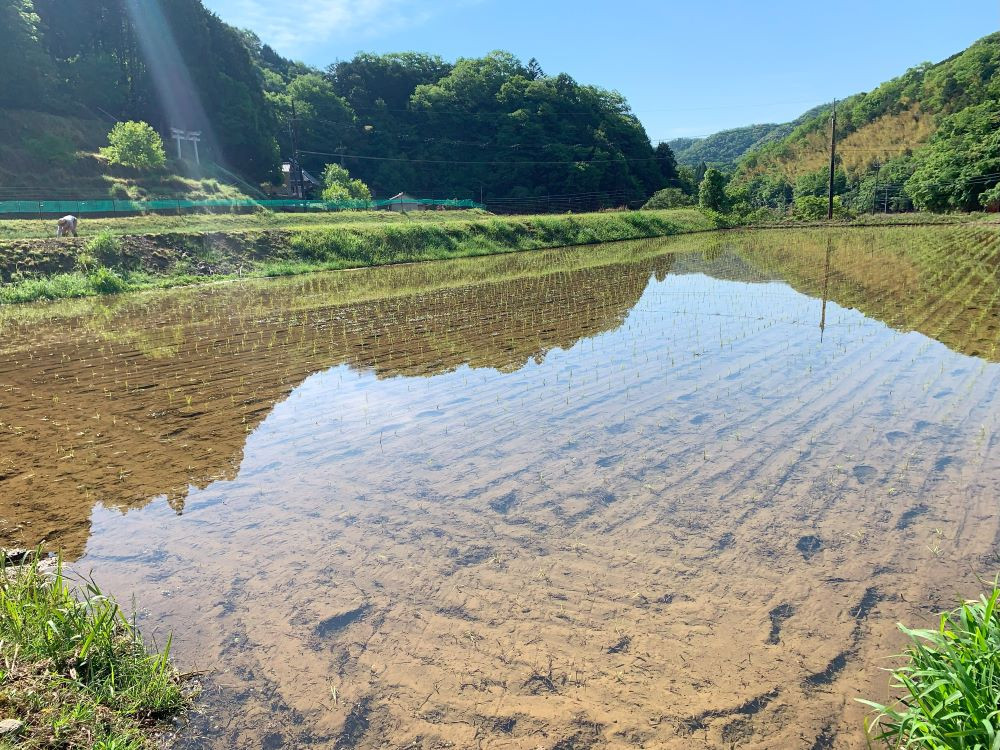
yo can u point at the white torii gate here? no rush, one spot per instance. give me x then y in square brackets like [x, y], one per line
[186, 135]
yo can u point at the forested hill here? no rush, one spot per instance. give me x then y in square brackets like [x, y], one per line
[493, 126]
[724, 149]
[929, 138]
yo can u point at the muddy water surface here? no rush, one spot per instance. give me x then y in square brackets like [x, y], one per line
[669, 494]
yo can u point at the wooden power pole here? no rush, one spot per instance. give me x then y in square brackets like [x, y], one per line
[295, 171]
[833, 158]
[878, 172]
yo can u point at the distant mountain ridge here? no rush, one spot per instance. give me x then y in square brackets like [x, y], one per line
[726, 147]
[930, 137]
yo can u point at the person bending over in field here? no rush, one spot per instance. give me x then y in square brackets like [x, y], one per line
[66, 226]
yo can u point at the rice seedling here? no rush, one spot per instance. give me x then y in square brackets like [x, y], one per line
[949, 685]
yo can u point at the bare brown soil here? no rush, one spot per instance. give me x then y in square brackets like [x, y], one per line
[613, 498]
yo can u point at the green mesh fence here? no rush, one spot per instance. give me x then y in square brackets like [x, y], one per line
[138, 207]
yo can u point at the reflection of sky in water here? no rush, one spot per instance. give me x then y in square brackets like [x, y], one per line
[693, 330]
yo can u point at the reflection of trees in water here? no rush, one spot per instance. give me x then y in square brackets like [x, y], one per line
[176, 398]
[501, 326]
[941, 282]
[146, 396]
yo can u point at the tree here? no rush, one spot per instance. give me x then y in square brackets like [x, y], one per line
[990, 200]
[818, 183]
[814, 207]
[668, 163]
[135, 144]
[961, 161]
[338, 185]
[699, 172]
[670, 197]
[712, 191]
[27, 71]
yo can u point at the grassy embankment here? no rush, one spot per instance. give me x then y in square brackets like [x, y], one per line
[156, 251]
[74, 671]
[58, 157]
[160, 251]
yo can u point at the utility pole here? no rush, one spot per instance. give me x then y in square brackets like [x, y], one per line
[878, 171]
[295, 171]
[833, 158]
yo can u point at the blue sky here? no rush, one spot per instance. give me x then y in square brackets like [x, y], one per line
[688, 68]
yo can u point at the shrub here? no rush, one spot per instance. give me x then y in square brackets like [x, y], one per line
[136, 145]
[950, 683]
[106, 281]
[813, 207]
[991, 198]
[105, 246]
[669, 198]
[86, 262]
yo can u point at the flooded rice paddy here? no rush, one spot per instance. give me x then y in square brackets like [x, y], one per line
[666, 494]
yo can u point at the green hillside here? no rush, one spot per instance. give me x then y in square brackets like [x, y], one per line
[494, 126]
[724, 149]
[929, 139]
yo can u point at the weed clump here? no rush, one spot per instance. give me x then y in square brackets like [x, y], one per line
[106, 281]
[104, 243]
[74, 668]
[950, 684]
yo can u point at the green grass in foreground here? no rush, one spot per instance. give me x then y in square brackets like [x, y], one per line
[950, 684]
[75, 670]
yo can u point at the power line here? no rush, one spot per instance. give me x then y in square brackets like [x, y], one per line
[485, 163]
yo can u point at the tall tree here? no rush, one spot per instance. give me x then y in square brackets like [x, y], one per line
[28, 73]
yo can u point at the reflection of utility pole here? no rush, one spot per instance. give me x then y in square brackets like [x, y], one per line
[826, 287]
[833, 157]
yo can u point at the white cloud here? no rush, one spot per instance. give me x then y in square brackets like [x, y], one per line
[293, 26]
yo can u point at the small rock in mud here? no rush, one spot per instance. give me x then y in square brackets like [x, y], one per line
[340, 621]
[505, 724]
[864, 474]
[621, 646]
[16, 556]
[503, 504]
[809, 545]
[10, 727]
